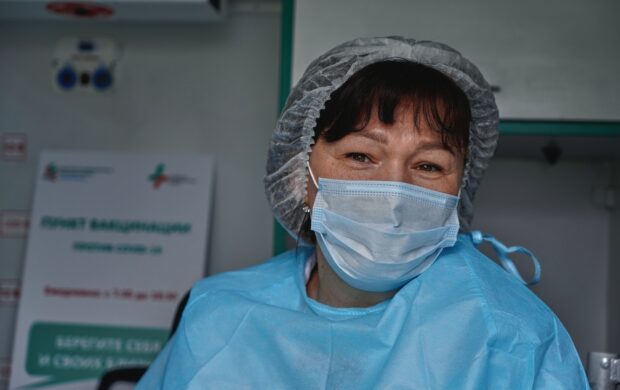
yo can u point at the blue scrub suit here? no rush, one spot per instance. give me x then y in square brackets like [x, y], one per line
[463, 324]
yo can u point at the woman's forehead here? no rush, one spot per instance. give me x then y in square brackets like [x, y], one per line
[408, 122]
[405, 135]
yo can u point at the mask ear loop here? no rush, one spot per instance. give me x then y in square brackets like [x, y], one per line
[312, 175]
[306, 209]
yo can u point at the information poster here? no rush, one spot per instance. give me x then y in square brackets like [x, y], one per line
[115, 241]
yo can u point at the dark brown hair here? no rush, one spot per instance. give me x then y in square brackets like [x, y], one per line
[436, 100]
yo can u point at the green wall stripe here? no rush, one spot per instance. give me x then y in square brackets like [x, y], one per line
[557, 128]
[286, 61]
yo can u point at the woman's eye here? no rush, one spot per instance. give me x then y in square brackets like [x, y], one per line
[359, 157]
[429, 167]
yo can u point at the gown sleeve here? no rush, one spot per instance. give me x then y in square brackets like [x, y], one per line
[153, 379]
[558, 365]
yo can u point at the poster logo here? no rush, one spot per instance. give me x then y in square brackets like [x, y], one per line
[51, 172]
[158, 178]
[54, 172]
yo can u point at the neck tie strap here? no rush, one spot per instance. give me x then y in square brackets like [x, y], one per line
[503, 251]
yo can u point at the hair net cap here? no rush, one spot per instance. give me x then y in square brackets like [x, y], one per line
[285, 182]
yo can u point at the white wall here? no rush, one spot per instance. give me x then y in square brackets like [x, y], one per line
[183, 88]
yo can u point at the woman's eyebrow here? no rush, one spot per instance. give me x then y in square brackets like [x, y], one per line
[373, 135]
[426, 146]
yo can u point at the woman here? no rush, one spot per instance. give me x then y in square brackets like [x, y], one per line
[374, 163]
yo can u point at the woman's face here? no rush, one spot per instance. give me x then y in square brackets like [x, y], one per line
[396, 152]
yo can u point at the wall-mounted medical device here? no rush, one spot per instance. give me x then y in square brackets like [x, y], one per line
[85, 64]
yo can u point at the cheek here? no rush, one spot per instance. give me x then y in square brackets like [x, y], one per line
[455, 179]
[457, 185]
[456, 182]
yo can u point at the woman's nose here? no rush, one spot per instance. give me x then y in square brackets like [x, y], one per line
[395, 171]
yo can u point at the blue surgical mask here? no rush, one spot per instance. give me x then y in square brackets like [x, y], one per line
[378, 235]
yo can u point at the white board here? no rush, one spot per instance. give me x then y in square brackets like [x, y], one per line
[115, 241]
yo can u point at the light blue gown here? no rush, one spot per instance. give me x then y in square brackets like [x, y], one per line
[463, 324]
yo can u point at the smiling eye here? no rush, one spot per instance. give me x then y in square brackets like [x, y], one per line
[358, 157]
[429, 167]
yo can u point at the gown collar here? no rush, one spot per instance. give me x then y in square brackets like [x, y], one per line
[306, 259]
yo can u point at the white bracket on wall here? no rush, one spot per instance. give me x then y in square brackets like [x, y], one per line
[88, 65]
